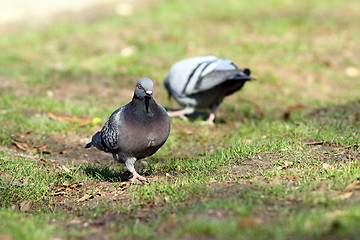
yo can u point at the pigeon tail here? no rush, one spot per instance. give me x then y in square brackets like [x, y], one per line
[95, 142]
[242, 75]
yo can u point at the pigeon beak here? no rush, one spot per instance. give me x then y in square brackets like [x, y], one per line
[149, 93]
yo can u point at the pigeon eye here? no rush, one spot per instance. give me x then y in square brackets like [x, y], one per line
[140, 86]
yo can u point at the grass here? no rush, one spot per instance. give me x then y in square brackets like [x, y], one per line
[281, 162]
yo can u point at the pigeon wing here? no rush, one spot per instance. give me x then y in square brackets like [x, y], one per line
[213, 74]
[109, 134]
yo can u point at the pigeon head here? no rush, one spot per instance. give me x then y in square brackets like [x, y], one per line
[144, 88]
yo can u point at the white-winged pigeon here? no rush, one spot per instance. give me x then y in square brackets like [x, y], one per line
[203, 82]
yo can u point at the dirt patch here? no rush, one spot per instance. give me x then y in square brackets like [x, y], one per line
[348, 114]
[246, 166]
[74, 92]
[336, 154]
[106, 95]
[76, 197]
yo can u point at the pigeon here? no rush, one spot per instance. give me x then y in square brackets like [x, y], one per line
[202, 83]
[136, 130]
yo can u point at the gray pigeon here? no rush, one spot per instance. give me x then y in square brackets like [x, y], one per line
[136, 130]
[202, 83]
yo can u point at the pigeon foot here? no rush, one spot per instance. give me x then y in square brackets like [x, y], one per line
[137, 176]
[208, 123]
[210, 120]
[179, 114]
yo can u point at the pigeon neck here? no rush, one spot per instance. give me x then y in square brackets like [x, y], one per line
[144, 104]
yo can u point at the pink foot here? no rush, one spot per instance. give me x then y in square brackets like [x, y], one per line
[178, 114]
[137, 176]
[210, 120]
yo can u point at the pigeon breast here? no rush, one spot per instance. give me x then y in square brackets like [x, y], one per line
[141, 132]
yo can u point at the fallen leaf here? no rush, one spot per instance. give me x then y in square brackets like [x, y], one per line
[63, 167]
[286, 164]
[328, 167]
[248, 222]
[351, 187]
[22, 145]
[75, 185]
[68, 187]
[26, 206]
[43, 149]
[82, 121]
[315, 143]
[345, 195]
[85, 198]
[290, 109]
[349, 147]
[58, 193]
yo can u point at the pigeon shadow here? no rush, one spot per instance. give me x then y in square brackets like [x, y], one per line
[106, 174]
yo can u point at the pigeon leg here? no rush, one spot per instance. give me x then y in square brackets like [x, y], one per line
[211, 118]
[181, 113]
[130, 166]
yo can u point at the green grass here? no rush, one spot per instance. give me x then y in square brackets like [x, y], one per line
[253, 175]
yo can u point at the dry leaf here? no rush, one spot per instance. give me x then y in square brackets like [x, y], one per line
[63, 167]
[345, 195]
[68, 187]
[328, 167]
[315, 143]
[43, 149]
[351, 187]
[248, 222]
[85, 198]
[82, 121]
[286, 164]
[22, 145]
[58, 193]
[25, 206]
[290, 109]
